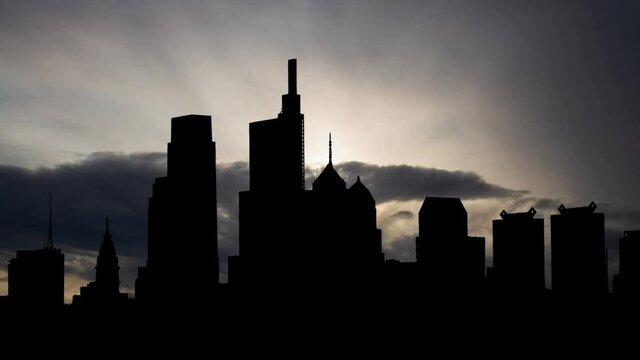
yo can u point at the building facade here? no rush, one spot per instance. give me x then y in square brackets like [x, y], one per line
[578, 253]
[182, 246]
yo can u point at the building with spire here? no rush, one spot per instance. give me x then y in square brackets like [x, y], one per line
[182, 242]
[105, 290]
[298, 238]
[344, 220]
[36, 277]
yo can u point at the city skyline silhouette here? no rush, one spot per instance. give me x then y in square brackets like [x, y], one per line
[461, 168]
[284, 229]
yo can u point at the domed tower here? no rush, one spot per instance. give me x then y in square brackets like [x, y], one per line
[345, 222]
[364, 206]
[366, 238]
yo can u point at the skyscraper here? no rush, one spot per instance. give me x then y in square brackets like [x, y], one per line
[276, 146]
[271, 216]
[518, 252]
[448, 259]
[343, 231]
[36, 277]
[182, 258]
[296, 238]
[578, 253]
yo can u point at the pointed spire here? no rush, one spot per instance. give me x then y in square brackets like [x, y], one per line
[330, 152]
[107, 233]
[49, 243]
[358, 179]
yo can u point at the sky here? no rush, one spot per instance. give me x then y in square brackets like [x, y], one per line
[506, 104]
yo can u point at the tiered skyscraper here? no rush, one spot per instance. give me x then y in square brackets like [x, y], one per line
[182, 224]
[293, 237]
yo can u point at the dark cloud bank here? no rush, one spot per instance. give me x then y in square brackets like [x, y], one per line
[404, 182]
[118, 185]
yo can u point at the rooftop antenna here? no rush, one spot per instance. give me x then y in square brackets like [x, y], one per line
[49, 243]
[330, 152]
[293, 74]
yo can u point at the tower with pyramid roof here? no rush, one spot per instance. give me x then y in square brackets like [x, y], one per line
[104, 292]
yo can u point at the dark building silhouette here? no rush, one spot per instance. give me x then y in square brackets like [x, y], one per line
[272, 219]
[578, 253]
[627, 282]
[400, 278]
[295, 237]
[36, 277]
[182, 242]
[518, 252]
[344, 219]
[448, 259]
[276, 146]
[105, 291]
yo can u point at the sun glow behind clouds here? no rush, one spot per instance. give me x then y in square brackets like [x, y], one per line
[457, 86]
[508, 90]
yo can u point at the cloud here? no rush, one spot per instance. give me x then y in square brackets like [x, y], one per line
[402, 248]
[406, 182]
[403, 215]
[118, 185]
[84, 193]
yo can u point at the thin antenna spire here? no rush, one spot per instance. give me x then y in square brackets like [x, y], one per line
[107, 233]
[49, 243]
[330, 151]
[293, 74]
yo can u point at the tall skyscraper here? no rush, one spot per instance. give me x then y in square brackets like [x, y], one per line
[297, 238]
[518, 252]
[271, 215]
[276, 146]
[448, 259]
[578, 253]
[182, 258]
[36, 277]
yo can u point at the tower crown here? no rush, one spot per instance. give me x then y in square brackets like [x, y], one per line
[329, 179]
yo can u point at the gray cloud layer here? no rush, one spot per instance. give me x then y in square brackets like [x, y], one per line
[538, 95]
[118, 185]
[84, 193]
[404, 182]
